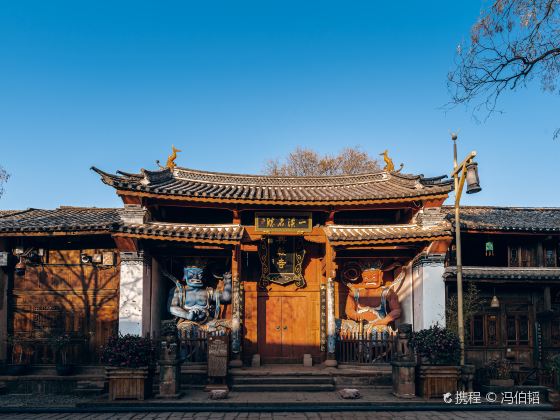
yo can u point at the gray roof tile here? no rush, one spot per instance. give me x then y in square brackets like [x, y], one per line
[524, 219]
[184, 182]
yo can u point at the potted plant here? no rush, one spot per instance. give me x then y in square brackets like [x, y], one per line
[498, 372]
[129, 360]
[61, 346]
[21, 357]
[553, 368]
[438, 350]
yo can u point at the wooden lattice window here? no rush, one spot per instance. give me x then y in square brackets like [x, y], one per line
[485, 329]
[517, 327]
[47, 320]
[549, 257]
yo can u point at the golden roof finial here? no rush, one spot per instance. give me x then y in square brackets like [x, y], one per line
[170, 160]
[389, 165]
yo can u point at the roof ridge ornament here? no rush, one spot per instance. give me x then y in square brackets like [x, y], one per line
[170, 164]
[389, 165]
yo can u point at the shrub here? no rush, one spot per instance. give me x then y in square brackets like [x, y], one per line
[128, 351]
[437, 346]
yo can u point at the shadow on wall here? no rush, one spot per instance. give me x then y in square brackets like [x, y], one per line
[67, 300]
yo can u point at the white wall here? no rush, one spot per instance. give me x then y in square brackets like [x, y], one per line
[135, 273]
[428, 291]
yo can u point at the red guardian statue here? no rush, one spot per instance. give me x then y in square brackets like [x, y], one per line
[371, 306]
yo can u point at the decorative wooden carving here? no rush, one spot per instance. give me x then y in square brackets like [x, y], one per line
[282, 260]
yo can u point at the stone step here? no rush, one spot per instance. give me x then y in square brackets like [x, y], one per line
[282, 387]
[90, 387]
[255, 380]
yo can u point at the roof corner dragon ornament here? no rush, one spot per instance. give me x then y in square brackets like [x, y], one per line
[170, 164]
[389, 165]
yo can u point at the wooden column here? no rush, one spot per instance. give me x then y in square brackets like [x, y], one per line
[4, 273]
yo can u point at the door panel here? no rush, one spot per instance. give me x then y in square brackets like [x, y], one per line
[293, 327]
[286, 328]
[270, 326]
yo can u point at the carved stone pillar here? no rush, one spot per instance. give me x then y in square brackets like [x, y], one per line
[331, 327]
[404, 367]
[236, 323]
[169, 363]
[134, 280]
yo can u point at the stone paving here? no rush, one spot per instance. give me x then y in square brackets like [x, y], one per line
[40, 400]
[378, 415]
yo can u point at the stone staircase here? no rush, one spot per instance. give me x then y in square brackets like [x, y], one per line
[287, 382]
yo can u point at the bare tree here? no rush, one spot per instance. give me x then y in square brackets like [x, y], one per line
[307, 162]
[4, 176]
[512, 43]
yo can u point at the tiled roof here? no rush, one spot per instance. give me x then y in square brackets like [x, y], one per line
[223, 232]
[507, 273]
[213, 186]
[5, 213]
[349, 233]
[508, 218]
[63, 219]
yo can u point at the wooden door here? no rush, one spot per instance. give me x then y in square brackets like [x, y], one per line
[294, 328]
[270, 319]
[283, 328]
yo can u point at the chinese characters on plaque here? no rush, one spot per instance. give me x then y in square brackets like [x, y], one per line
[282, 260]
[271, 222]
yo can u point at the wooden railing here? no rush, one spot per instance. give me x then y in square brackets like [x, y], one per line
[194, 345]
[365, 348]
[26, 350]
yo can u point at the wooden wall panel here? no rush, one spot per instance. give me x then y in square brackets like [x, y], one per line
[63, 296]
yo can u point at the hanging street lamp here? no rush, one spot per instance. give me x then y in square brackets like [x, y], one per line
[466, 171]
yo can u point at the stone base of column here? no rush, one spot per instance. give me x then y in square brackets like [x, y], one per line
[169, 380]
[236, 363]
[404, 379]
[467, 377]
[331, 362]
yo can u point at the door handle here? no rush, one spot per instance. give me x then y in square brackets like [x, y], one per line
[278, 328]
[285, 327]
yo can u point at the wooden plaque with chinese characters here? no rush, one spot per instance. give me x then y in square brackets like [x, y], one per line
[282, 260]
[283, 222]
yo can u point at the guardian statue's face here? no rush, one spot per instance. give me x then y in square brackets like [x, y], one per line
[372, 278]
[193, 276]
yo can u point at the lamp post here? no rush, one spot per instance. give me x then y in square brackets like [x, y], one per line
[467, 171]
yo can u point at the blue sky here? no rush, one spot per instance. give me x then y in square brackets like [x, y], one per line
[114, 84]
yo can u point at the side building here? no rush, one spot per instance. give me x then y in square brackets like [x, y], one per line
[512, 284]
